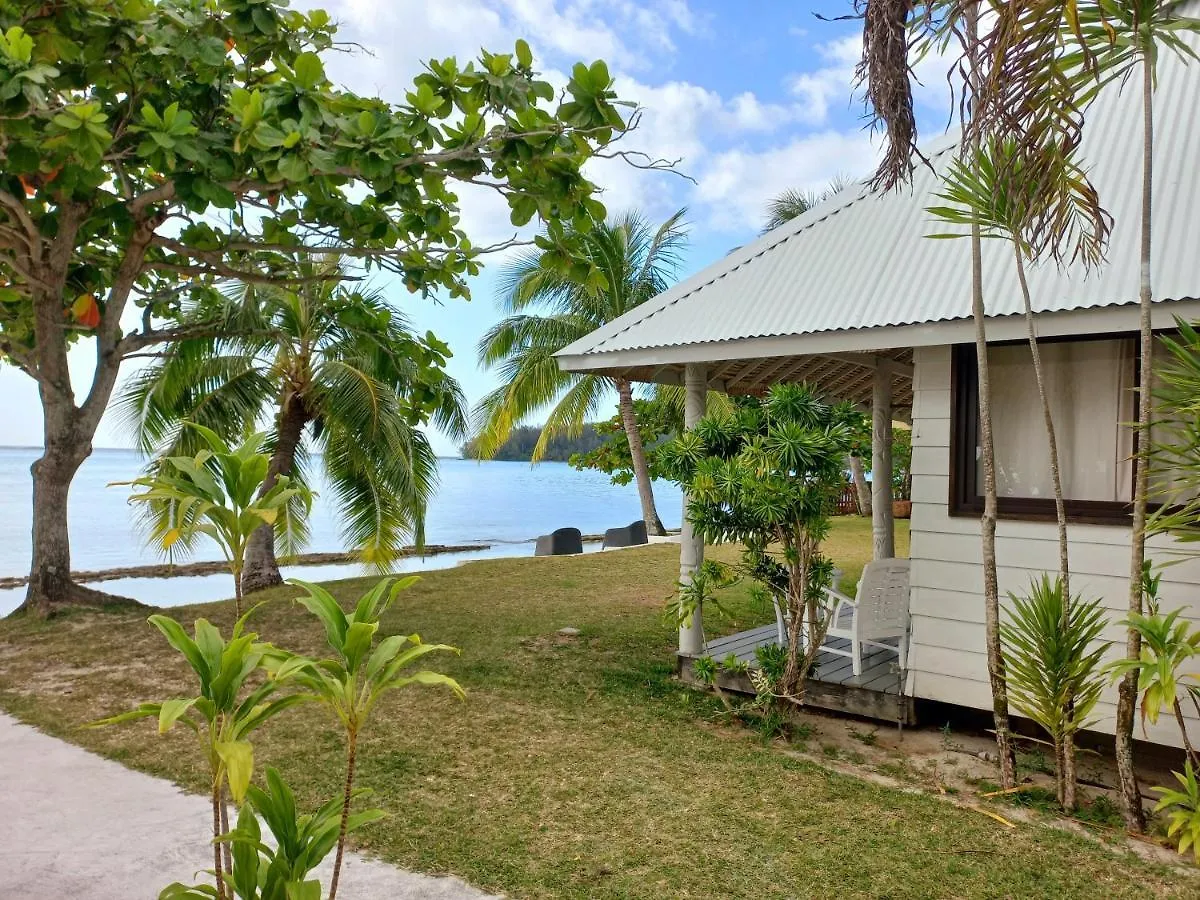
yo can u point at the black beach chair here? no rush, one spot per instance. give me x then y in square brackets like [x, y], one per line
[563, 542]
[631, 535]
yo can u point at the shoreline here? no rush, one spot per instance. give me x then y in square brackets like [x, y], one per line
[219, 567]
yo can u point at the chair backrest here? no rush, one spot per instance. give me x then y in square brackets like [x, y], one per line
[882, 600]
[631, 535]
[563, 542]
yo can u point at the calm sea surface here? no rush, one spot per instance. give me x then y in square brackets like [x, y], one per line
[504, 504]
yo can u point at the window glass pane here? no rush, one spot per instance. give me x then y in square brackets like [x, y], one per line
[1089, 385]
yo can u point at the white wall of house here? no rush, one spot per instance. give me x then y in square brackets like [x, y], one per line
[947, 661]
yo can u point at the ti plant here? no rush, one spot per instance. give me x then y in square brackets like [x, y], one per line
[1168, 642]
[277, 870]
[1183, 810]
[352, 681]
[1055, 675]
[223, 714]
[216, 493]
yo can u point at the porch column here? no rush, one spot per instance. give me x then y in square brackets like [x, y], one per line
[882, 526]
[691, 547]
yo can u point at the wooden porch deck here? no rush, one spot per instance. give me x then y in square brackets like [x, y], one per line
[878, 693]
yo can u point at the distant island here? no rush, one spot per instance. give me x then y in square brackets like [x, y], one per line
[519, 447]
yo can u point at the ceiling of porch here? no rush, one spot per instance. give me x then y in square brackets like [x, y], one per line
[840, 376]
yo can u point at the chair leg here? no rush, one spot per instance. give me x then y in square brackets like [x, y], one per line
[902, 651]
[856, 656]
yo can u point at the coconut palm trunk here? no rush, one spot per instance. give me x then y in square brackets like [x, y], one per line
[551, 309]
[637, 452]
[340, 373]
[1127, 692]
[261, 569]
[861, 486]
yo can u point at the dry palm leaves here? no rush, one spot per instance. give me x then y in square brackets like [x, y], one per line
[884, 71]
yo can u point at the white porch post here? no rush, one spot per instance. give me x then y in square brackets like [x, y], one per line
[691, 547]
[882, 526]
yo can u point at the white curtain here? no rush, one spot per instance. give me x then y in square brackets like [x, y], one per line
[1089, 386]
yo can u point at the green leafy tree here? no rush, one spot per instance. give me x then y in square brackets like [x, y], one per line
[655, 425]
[620, 265]
[150, 149]
[767, 477]
[338, 371]
[223, 714]
[1054, 659]
[523, 440]
[361, 672]
[659, 419]
[218, 493]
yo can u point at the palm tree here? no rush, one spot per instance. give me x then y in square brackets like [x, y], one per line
[793, 202]
[550, 308]
[897, 33]
[782, 208]
[338, 373]
[1004, 190]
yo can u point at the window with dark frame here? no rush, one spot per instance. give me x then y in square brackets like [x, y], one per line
[1091, 384]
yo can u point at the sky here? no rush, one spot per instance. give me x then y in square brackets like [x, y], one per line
[751, 98]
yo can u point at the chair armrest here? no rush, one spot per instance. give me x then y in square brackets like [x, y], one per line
[838, 597]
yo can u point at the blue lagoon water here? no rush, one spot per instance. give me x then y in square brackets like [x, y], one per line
[502, 504]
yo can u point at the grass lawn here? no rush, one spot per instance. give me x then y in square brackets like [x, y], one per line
[576, 767]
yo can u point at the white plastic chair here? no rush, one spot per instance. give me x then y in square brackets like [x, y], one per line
[879, 610]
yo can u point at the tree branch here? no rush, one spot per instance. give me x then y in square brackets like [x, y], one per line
[16, 210]
[20, 357]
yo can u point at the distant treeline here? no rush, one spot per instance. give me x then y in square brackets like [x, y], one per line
[520, 446]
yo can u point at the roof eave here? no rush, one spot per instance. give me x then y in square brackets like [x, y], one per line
[1095, 320]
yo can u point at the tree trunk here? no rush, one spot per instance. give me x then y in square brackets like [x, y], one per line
[1060, 511]
[861, 487]
[987, 524]
[1131, 797]
[261, 569]
[1066, 753]
[50, 585]
[637, 452]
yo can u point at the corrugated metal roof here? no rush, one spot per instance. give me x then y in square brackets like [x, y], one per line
[863, 260]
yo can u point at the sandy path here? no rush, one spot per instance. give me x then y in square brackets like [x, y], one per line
[77, 825]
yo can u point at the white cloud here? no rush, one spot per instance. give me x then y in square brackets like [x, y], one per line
[819, 91]
[736, 185]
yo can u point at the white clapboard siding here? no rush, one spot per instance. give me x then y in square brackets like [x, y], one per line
[948, 660]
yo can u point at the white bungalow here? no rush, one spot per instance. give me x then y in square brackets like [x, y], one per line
[854, 298]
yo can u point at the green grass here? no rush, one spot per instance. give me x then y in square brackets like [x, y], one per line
[575, 768]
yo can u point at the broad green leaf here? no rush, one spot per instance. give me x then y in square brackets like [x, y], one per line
[171, 710]
[238, 760]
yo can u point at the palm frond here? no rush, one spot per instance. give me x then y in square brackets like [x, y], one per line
[554, 302]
